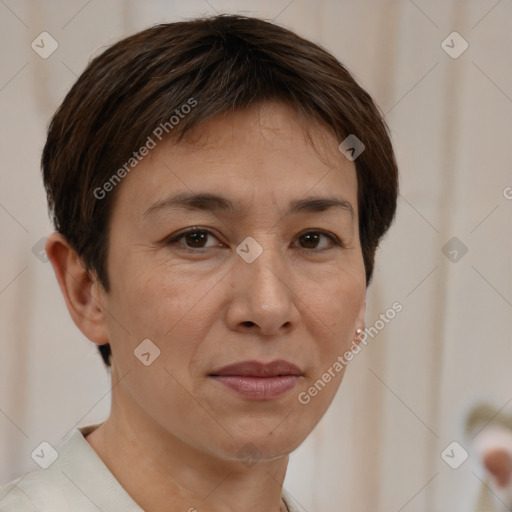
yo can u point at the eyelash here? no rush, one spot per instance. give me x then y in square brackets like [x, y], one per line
[174, 239]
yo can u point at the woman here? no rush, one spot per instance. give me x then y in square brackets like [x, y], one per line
[219, 188]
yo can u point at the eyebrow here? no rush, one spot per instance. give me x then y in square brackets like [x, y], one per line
[215, 202]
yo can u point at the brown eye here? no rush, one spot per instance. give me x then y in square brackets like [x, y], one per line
[193, 239]
[311, 240]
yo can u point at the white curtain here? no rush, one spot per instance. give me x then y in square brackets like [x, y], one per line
[446, 260]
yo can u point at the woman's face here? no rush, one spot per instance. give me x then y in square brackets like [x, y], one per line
[211, 299]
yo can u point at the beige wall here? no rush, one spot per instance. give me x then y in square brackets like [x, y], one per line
[404, 398]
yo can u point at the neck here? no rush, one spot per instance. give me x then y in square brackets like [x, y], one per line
[162, 474]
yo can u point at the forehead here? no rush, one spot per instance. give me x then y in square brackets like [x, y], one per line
[256, 157]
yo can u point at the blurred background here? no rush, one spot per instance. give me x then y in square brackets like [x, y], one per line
[441, 73]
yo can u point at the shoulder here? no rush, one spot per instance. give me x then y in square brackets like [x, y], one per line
[14, 499]
[45, 490]
[39, 490]
[75, 479]
[50, 488]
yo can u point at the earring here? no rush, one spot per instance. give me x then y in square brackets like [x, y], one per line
[358, 336]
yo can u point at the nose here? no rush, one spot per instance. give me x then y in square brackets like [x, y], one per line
[263, 299]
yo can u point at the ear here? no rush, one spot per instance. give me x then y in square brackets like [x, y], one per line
[83, 295]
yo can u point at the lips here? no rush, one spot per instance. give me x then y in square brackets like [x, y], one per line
[258, 381]
[256, 369]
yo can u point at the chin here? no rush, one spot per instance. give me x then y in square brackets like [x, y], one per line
[273, 440]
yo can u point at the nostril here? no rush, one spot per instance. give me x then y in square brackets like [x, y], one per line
[248, 323]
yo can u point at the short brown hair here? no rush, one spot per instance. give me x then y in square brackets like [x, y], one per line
[225, 62]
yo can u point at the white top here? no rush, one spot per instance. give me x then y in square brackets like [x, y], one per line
[76, 481]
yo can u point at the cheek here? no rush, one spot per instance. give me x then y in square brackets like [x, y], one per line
[336, 299]
[154, 296]
[170, 306]
[334, 309]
